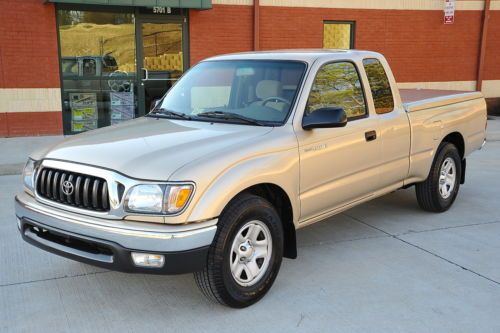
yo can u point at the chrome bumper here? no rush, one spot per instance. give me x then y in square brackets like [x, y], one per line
[154, 237]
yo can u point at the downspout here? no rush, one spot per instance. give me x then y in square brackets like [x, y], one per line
[482, 50]
[256, 25]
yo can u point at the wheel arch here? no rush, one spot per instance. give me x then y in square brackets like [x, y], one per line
[457, 139]
[280, 200]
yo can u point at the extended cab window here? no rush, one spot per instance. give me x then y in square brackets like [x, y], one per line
[379, 86]
[338, 85]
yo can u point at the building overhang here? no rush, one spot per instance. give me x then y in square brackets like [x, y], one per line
[194, 4]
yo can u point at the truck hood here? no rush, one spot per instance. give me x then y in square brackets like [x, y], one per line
[151, 148]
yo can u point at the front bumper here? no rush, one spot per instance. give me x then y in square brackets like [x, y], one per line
[109, 243]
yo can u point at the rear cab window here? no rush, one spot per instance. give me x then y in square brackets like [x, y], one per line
[379, 86]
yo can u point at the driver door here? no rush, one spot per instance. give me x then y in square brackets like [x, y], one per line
[338, 166]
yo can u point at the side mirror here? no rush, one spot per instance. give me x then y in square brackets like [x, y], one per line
[325, 118]
[154, 104]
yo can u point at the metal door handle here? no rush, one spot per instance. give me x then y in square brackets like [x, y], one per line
[370, 135]
[146, 74]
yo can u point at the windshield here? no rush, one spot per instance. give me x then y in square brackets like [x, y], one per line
[254, 92]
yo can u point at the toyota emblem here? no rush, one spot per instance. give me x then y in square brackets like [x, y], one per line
[67, 187]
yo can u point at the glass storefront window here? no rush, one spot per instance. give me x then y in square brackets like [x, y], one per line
[98, 65]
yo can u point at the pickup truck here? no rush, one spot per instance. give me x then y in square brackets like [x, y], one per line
[241, 153]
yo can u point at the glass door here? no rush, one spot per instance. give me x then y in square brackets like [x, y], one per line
[161, 57]
[98, 68]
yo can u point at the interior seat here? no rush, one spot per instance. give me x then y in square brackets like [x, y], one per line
[269, 88]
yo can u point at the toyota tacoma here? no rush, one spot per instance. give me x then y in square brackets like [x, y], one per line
[244, 150]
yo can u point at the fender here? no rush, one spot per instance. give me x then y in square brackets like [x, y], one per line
[278, 168]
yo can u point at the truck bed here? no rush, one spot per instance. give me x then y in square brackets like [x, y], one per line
[422, 99]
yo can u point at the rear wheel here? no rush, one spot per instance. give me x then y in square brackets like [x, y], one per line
[245, 256]
[438, 192]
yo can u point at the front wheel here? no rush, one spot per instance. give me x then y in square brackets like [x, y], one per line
[245, 256]
[438, 192]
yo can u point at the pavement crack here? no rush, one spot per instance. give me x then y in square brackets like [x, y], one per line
[339, 241]
[427, 251]
[446, 228]
[448, 260]
[302, 316]
[51, 279]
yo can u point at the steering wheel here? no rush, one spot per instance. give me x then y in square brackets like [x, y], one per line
[118, 85]
[275, 99]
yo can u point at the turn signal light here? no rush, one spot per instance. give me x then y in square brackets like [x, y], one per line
[148, 260]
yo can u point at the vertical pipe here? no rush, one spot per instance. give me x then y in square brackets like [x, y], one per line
[256, 25]
[482, 49]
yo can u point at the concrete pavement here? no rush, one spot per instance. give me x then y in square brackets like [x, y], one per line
[385, 266]
[493, 132]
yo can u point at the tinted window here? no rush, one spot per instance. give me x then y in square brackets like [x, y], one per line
[338, 85]
[379, 86]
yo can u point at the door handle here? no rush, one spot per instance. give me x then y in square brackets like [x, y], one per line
[146, 74]
[370, 135]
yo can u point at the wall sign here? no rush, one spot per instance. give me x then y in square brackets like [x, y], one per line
[162, 10]
[449, 11]
[158, 10]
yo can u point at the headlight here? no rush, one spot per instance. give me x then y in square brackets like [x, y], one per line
[28, 175]
[159, 199]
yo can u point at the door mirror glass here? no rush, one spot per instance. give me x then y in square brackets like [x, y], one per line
[325, 118]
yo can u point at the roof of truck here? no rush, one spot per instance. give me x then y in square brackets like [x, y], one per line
[308, 55]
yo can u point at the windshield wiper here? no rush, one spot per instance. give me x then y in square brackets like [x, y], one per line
[166, 112]
[230, 116]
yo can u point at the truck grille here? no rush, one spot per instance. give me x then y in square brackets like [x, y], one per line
[73, 189]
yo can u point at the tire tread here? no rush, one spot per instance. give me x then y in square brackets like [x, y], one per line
[427, 191]
[209, 281]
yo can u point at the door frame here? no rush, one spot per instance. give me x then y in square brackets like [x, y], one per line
[141, 18]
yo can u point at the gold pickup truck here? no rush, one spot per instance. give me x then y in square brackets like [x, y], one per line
[243, 151]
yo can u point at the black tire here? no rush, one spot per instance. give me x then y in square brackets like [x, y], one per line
[216, 281]
[429, 196]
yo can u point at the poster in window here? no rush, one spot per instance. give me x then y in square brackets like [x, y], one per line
[83, 111]
[122, 106]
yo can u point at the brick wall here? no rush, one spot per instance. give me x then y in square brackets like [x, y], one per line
[418, 45]
[492, 61]
[28, 45]
[32, 123]
[28, 59]
[223, 29]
